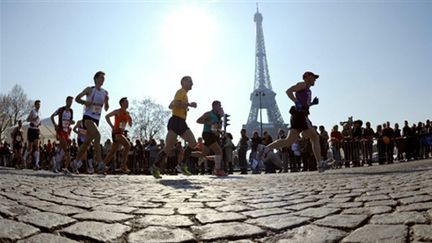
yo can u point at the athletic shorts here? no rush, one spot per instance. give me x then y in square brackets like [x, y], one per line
[113, 135]
[32, 134]
[17, 145]
[63, 135]
[299, 120]
[210, 138]
[177, 125]
[85, 117]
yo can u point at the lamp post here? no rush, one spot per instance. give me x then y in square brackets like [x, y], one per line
[260, 94]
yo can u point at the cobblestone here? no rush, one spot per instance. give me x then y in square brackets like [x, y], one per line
[389, 203]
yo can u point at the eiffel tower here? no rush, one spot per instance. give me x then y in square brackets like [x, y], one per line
[263, 97]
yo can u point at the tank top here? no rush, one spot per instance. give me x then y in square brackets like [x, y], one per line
[34, 124]
[97, 99]
[304, 96]
[120, 122]
[65, 118]
[215, 119]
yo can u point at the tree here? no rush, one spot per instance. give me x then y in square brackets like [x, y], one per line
[149, 119]
[14, 106]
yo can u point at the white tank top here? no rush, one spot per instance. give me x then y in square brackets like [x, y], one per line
[97, 99]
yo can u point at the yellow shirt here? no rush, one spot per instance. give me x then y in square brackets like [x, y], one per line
[181, 95]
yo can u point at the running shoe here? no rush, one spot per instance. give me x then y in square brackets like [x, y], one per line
[183, 169]
[155, 172]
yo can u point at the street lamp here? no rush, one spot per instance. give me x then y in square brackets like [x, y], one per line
[260, 94]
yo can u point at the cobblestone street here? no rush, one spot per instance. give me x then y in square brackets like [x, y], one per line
[390, 203]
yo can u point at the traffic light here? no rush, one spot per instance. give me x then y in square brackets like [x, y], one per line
[226, 120]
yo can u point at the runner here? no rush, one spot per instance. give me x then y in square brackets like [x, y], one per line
[177, 127]
[97, 98]
[211, 134]
[33, 134]
[17, 145]
[63, 130]
[121, 119]
[301, 95]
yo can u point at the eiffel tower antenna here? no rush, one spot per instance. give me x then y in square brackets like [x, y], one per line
[263, 97]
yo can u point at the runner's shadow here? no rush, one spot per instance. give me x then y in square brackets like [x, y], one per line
[180, 184]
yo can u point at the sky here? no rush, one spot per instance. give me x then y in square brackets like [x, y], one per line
[373, 57]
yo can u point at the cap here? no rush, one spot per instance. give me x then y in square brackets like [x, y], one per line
[307, 73]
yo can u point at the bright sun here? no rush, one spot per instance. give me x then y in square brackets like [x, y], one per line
[189, 36]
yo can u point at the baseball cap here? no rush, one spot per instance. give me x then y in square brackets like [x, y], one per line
[307, 73]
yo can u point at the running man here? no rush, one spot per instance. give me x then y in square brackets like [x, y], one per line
[121, 119]
[33, 134]
[211, 133]
[81, 132]
[17, 145]
[177, 127]
[63, 129]
[96, 100]
[301, 95]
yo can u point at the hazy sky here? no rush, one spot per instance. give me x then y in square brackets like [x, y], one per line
[374, 57]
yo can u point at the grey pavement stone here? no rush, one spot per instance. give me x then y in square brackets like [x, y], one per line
[97, 230]
[108, 217]
[399, 218]
[422, 232]
[161, 220]
[430, 213]
[312, 234]
[47, 238]
[12, 230]
[397, 195]
[335, 200]
[192, 211]
[372, 198]
[46, 220]
[141, 204]
[349, 195]
[156, 234]
[316, 212]
[345, 205]
[185, 204]
[368, 210]
[52, 207]
[379, 233]
[265, 212]
[415, 207]
[233, 208]
[304, 205]
[278, 222]
[16, 210]
[381, 203]
[269, 205]
[114, 208]
[342, 221]
[416, 199]
[206, 218]
[159, 211]
[226, 230]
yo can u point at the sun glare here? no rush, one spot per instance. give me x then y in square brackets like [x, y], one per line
[189, 36]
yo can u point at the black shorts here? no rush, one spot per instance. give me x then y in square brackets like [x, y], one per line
[177, 125]
[210, 138]
[32, 134]
[17, 145]
[85, 117]
[299, 120]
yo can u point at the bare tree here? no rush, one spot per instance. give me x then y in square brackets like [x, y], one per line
[149, 119]
[14, 106]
